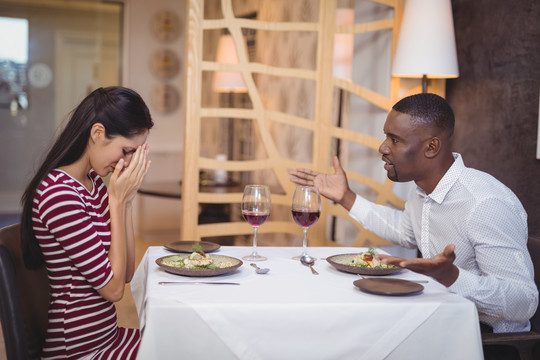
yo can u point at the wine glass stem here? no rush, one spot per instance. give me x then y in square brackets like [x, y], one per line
[255, 228]
[304, 242]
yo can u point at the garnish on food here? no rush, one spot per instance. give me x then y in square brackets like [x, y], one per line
[196, 247]
[367, 260]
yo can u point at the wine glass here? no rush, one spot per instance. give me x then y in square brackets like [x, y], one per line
[306, 209]
[256, 208]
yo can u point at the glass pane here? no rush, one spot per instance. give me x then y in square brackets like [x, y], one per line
[68, 49]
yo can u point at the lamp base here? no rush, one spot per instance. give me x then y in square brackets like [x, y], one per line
[424, 83]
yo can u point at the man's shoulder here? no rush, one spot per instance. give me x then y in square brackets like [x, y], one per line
[483, 185]
[475, 175]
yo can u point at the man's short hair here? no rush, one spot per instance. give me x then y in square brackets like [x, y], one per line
[428, 109]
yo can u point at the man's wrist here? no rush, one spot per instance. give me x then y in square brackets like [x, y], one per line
[449, 277]
[348, 199]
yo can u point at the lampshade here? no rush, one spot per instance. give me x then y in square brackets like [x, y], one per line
[225, 81]
[343, 45]
[427, 45]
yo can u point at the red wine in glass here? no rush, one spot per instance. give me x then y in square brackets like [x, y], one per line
[306, 210]
[305, 218]
[255, 219]
[256, 207]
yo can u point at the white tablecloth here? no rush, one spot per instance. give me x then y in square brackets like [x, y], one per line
[289, 313]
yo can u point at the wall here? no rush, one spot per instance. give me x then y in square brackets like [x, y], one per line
[495, 99]
[166, 138]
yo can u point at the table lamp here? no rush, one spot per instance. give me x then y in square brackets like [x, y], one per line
[224, 81]
[343, 45]
[427, 46]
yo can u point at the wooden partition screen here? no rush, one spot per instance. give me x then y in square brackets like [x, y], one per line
[323, 131]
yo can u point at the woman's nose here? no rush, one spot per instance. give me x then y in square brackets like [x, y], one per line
[127, 159]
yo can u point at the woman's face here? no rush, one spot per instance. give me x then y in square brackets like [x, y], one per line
[106, 152]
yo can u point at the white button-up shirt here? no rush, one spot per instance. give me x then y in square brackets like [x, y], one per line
[488, 225]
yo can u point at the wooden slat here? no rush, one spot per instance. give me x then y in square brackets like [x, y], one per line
[373, 97]
[261, 25]
[321, 126]
[323, 95]
[391, 3]
[259, 68]
[291, 120]
[266, 138]
[359, 138]
[190, 184]
[365, 27]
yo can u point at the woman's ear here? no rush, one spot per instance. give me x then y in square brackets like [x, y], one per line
[97, 132]
[433, 147]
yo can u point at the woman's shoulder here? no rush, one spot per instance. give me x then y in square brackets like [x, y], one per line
[56, 181]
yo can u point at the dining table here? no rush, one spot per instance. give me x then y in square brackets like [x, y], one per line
[291, 313]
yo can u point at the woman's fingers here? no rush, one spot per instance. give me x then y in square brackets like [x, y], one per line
[142, 162]
[139, 165]
[137, 162]
[118, 168]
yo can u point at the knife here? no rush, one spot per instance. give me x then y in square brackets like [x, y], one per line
[196, 283]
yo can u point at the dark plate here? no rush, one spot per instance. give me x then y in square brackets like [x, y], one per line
[235, 263]
[185, 246]
[340, 262]
[388, 286]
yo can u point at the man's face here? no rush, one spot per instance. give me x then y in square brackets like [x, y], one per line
[404, 148]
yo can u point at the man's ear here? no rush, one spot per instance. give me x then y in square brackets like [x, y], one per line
[97, 132]
[433, 147]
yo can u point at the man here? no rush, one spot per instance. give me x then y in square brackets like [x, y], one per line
[470, 228]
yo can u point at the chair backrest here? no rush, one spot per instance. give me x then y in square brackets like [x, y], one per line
[534, 250]
[24, 299]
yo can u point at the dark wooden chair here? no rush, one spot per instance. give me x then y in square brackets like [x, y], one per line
[526, 343]
[24, 299]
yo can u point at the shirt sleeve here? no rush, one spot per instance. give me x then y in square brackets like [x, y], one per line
[505, 288]
[388, 223]
[66, 216]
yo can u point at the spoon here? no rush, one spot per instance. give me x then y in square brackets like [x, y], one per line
[309, 261]
[258, 270]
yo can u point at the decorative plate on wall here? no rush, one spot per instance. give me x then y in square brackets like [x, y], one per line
[164, 99]
[165, 26]
[164, 64]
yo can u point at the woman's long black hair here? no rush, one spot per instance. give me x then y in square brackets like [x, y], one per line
[120, 110]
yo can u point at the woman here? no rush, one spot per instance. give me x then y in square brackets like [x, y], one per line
[82, 231]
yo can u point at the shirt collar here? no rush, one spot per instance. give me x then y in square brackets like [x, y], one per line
[447, 181]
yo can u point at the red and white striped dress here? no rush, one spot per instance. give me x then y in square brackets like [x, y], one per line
[72, 226]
